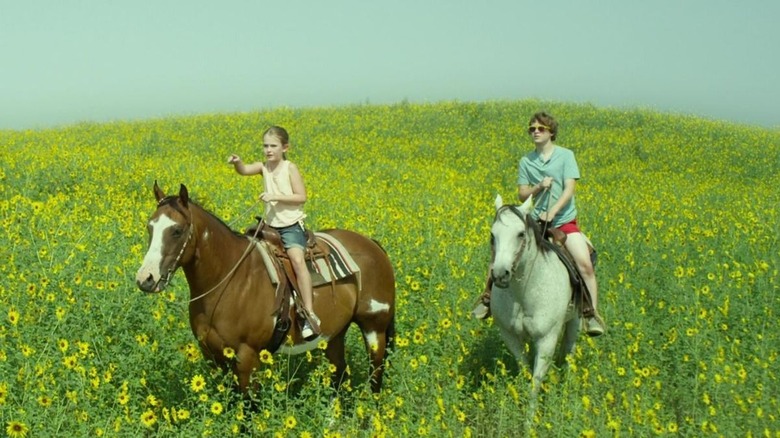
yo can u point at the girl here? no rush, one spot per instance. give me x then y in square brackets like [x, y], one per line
[284, 197]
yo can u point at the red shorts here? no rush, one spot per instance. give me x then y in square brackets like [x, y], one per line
[570, 227]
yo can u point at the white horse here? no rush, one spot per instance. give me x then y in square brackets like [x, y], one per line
[531, 292]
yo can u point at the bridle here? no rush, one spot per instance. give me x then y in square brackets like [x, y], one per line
[168, 274]
[524, 242]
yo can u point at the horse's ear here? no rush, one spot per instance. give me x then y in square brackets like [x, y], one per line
[184, 196]
[499, 201]
[527, 205]
[158, 193]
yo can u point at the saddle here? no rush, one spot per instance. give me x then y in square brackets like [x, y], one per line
[288, 280]
[555, 240]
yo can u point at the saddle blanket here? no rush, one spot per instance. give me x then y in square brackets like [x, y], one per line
[336, 265]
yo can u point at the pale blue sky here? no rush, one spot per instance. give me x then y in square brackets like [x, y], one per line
[99, 60]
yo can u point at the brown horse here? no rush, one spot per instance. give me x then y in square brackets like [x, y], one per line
[232, 298]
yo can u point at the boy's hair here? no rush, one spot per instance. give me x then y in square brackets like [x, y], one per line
[281, 134]
[546, 120]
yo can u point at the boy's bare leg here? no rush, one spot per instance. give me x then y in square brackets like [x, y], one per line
[577, 246]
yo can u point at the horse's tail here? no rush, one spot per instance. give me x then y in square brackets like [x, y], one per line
[390, 336]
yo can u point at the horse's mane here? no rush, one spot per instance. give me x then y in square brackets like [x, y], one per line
[530, 224]
[171, 201]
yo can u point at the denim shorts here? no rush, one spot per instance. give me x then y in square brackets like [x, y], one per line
[293, 236]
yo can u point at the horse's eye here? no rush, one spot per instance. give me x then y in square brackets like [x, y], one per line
[521, 234]
[177, 232]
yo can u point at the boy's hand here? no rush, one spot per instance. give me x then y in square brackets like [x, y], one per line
[233, 159]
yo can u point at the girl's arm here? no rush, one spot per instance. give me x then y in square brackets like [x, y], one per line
[245, 169]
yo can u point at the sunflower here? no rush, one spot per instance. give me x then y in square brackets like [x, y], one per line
[16, 429]
[62, 344]
[13, 316]
[148, 418]
[290, 422]
[197, 383]
[266, 357]
[229, 353]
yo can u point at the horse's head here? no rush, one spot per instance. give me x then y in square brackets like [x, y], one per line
[512, 233]
[170, 231]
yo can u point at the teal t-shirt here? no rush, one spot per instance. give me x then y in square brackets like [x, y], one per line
[561, 166]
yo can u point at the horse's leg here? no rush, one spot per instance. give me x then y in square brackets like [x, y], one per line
[515, 342]
[247, 361]
[571, 330]
[376, 345]
[335, 354]
[545, 351]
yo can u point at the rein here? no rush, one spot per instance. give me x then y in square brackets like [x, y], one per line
[547, 208]
[232, 270]
[243, 213]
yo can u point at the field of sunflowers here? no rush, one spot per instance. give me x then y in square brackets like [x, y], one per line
[683, 212]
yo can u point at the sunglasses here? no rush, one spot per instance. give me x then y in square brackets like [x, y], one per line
[540, 128]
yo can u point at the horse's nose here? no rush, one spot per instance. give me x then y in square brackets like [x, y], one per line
[501, 277]
[146, 284]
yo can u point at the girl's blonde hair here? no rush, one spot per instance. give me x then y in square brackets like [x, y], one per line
[281, 134]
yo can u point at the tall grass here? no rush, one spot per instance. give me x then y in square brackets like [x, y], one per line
[682, 210]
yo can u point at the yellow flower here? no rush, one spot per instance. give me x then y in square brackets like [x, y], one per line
[266, 357]
[123, 398]
[216, 408]
[290, 422]
[13, 318]
[44, 401]
[62, 344]
[16, 429]
[229, 353]
[197, 383]
[148, 418]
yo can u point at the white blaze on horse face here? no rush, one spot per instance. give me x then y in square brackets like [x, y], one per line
[153, 258]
